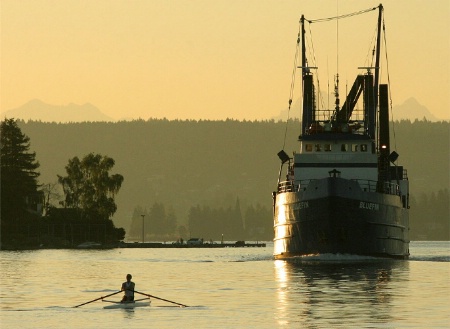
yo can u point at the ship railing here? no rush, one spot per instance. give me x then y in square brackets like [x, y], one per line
[371, 186]
[293, 185]
[391, 188]
[286, 186]
[367, 185]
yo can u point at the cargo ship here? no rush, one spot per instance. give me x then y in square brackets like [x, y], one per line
[342, 191]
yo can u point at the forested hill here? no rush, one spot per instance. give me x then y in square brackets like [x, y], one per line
[178, 163]
[186, 163]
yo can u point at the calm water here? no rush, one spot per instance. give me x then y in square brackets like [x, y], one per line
[226, 288]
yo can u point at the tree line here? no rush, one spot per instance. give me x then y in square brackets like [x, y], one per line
[188, 165]
[185, 163]
[430, 216]
[160, 223]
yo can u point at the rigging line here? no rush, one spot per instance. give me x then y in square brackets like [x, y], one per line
[310, 21]
[311, 48]
[389, 84]
[328, 90]
[370, 53]
[291, 92]
[314, 63]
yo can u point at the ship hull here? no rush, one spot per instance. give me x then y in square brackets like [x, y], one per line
[334, 215]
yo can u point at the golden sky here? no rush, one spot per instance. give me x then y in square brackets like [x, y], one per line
[209, 59]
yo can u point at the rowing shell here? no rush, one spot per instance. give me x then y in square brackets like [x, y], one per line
[127, 305]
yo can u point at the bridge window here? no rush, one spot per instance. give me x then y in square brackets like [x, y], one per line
[308, 147]
[344, 147]
[355, 147]
[363, 147]
[327, 147]
[318, 147]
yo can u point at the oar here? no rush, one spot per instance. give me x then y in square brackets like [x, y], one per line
[99, 298]
[166, 300]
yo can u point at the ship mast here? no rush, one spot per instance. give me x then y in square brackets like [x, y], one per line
[309, 114]
[372, 112]
[304, 117]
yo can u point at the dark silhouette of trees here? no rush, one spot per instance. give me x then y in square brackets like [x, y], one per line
[207, 222]
[89, 197]
[259, 223]
[63, 227]
[89, 192]
[157, 219]
[171, 222]
[159, 223]
[51, 196]
[212, 223]
[20, 198]
[430, 216]
[89, 187]
[136, 226]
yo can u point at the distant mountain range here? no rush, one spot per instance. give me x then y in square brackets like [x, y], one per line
[410, 109]
[37, 110]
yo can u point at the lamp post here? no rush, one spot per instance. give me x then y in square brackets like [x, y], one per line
[143, 228]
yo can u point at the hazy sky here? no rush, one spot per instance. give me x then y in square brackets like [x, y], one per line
[209, 59]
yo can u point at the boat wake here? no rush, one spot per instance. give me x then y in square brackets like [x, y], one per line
[100, 291]
[335, 258]
[349, 258]
[430, 258]
[34, 309]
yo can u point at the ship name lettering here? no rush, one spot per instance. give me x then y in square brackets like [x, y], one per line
[301, 205]
[369, 205]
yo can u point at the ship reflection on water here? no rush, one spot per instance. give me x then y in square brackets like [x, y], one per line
[317, 293]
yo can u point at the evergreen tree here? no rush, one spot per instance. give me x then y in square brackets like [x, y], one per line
[193, 215]
[19, 195]
[182, 232]
[238, 224]
[171, 221]
[135, 231]
[251, 223]
[259, 223]
[157, 218]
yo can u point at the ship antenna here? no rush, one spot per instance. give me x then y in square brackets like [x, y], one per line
[336, 92]
[336, 86]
